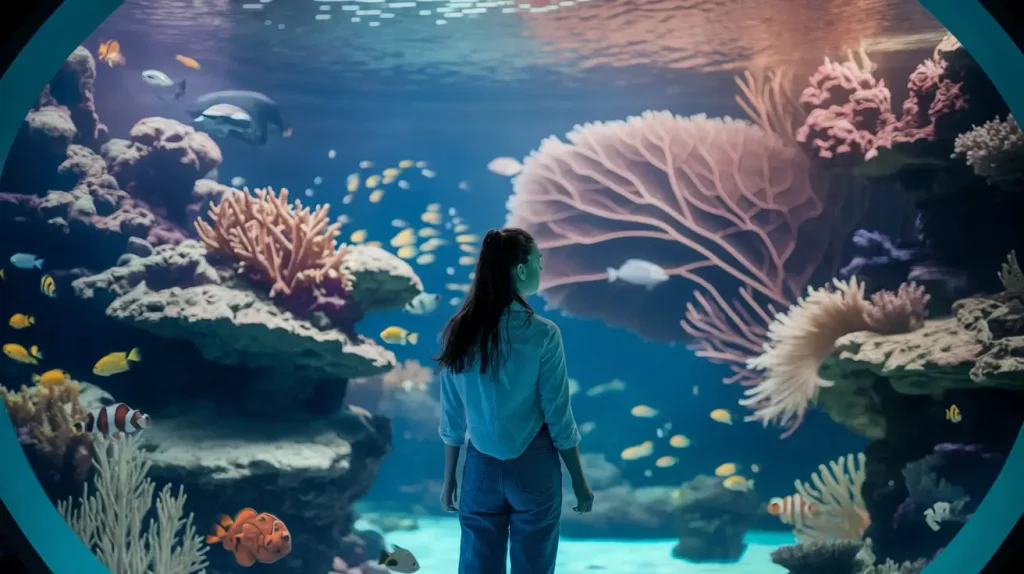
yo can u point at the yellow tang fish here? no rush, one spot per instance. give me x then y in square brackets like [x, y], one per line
[467, 238]
[365, 164]
[433, 207]
[953, 414]
[18, 353]
[467, 248]
[421, 164]
[372, 181]
[666, 461]
[461, 228]
[432, 244]
[115, 363]
[467, 260]
[48, 286]
[353, 183]
[639, 451]
[727, 469]
[376, 195]
[51, 377]
[428, 232]
[738, 483]
[425, 259]
[391, 172]
[405, 164]
[404, 237]
[407, 251]
[398, 336]
[20, 321]
[431, 217]
[643, 411]
[358, 236]
[679, 441]
[721, 416]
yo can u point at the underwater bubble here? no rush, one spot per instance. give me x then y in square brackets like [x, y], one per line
[331, 154]
[309, 192]
[323, 17]
[318, 180]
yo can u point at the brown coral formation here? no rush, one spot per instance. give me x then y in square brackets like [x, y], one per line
[45, 418]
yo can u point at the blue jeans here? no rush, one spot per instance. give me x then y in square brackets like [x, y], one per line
[511, 507]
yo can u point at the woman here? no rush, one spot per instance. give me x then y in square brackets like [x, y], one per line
[503, 378]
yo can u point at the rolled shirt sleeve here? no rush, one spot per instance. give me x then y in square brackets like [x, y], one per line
[554, 393]
[453, 413]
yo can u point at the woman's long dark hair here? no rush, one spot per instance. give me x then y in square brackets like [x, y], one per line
[475, 330]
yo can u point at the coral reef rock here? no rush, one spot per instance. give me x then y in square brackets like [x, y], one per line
[712, 520]
[382, 281]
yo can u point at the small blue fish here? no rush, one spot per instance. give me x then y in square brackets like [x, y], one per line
[26, 261]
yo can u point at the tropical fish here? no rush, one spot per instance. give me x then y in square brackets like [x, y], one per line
[454, 301]
[353, 182]
[376, 195]
[237, 181]
[425, 259]
[721, 416]
[331, 154]
[20, 321]
[391, 172]
[399, 560]
[612, 385]
[428, 232]
[793, 509]
[643, 411]
[726, 469]
[162, 82]
[405, 164]
[365, 164]
[461, 228]
[421, 164]
[114, 421]
[48, 286]
[464, 185]
[433, 207]
[431, 217]
[187, 62]
[407, 251]
[679, 441]
[432, 244]
[755, 468]
[402, 184]
[467, 238]
[20, 354]
[464, 287]
[953, 414]
[2, 275]
[587, 427]
[109, 53]
[398, 336]
[639, 451]
[738, 483]
[638, 272]
[404, 237]
[696, 391]
[666, 461]
[115, 363]
[264, 111]
[423, 304]
[427, 173]
[574, 386]
[466, 248]
[51, 377]
[400, 223]
[358, 236]
[372, 181]
[252, 537]
[505, 166]
[26, 261]
[467, 260]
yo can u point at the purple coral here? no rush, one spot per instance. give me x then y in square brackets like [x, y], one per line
[900, 312]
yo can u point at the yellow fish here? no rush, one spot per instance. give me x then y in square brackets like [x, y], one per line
[391, 172]
[679, 441]
[467, 260]
[404, 237]
[2, 275]
[738, 483]
[376, 195]
[431, 217]
[115, 363]
[187, 62]
[407, 251]
[953, 414]
[666, 461]
[643, 411]
[425, 259]
[461, 228]
[639, 451]
[405, 164]
[467, 238]
[18, 353]
[421, 164]
[432, 244]
[358, 236]
[612, 385]
[467, 248]
[433, 207]
[398, 336]
[428, 232]
[48, 286]
[51, 377]
[20, 321]
[372, 181]
[365, 164]
[353, 183]
[727, 469]
[721, 416]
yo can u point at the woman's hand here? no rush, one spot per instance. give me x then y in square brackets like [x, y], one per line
[449, 495]
[584, 496]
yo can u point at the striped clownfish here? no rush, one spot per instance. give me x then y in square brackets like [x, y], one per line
[114, 421]
[792, 510]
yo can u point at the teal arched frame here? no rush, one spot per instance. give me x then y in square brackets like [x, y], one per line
[61, 549]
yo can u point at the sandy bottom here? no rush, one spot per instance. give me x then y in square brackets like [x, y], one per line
[436, 545]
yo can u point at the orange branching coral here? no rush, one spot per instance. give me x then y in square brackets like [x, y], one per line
[287, 245]
[45, 417]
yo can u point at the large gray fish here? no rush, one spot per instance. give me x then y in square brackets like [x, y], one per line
[264, 112]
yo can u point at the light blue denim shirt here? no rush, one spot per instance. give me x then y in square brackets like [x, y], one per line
[503, 415]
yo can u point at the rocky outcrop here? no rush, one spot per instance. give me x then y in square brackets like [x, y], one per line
[712, 520]
[382, 281]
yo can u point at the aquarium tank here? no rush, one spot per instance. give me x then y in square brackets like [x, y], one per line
[779, 240]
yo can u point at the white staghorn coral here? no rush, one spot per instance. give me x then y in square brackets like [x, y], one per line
[799, 340]
[995, 151]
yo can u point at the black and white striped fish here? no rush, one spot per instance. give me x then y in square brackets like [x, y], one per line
[115, 421]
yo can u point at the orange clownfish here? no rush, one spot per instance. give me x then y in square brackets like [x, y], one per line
[110, 53]
[792, 510]
[252, 537]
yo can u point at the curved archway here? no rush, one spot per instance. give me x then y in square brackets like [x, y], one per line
[60, 548]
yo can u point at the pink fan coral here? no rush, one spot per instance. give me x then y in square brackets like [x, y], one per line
[900, 312]
[718, 203]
